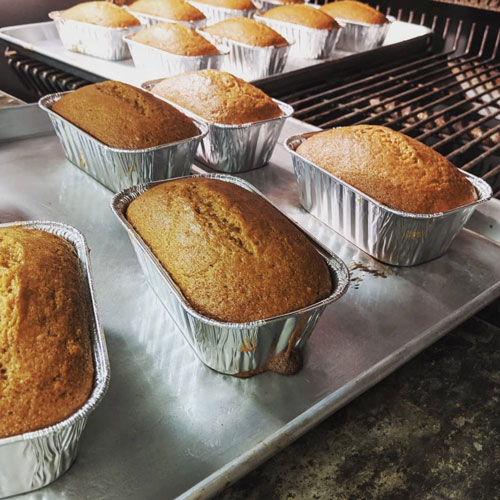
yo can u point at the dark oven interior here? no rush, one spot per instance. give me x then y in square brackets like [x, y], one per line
[446, 93]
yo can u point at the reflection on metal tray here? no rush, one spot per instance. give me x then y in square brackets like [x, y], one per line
[171, 427]
[41, 41]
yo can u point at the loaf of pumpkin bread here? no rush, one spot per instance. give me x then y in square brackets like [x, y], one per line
[390, 167]
[233, 255]
[46, 367]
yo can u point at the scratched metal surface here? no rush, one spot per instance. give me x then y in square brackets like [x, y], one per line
[169, 426]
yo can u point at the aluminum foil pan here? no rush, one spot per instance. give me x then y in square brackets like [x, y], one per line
[215, 14]
[359, 37]
[265, 5]
[93, 40]
[232, 348]
[310, 43]
[148, 20]
[389, 235]
[120, 168]
[248, 61]
[236, 148]
[32, 460]
[157, 63]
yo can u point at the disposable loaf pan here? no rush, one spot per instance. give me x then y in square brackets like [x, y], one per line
[389, 235]
[120, 168]
[265, 5]
[148, 20]
[32, 460]
[236, 148]
[215, 14]
[91, 39]
[248, 61]
[231, 348]
[359, 37]
[157, 63]
[308, 43]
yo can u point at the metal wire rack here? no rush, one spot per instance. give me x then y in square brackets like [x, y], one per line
[449, 98]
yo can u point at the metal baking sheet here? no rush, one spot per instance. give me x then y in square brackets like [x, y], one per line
[41, 39]
[171, 427]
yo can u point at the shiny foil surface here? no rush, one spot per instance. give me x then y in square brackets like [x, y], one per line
[231, 348]
[120, 168]
[250, 62]
[265, 5]
[236, 148]
[91, 39]
[32, 460]
[157, 63]
[308, 43]
[215, 14]
[359, 37]
[391, 236]
[148, 20]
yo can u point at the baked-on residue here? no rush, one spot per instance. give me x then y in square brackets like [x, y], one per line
[390, 167]
[101, 14]
[125, 117]
[305, 15]
[176, 39]
[218, 97]
[234, 256]
[350, 10]
[177, 10]
[245, 30]
[46, 367]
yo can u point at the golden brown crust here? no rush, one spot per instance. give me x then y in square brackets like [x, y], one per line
[176, 39]
[218, 97]
[230, 4]
[390, 167]
[101, 14]
[46, 367]
[177, 10]
[234, 256]
[305, 15]
[350, 10]
[122, 116]
[245, 30]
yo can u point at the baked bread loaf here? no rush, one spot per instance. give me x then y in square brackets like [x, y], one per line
[234, 256]
[46, 367]
[248, 31]
[350, 10]
[124, 117]
[304, 15]
[230, 4]
[176, 39]
[100, 13]
[176, 10]
[390, 167]
[218, 97]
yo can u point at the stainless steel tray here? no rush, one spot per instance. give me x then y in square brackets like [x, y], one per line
[41, 41]
[171, 427]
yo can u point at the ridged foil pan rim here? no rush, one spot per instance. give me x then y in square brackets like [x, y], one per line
[193, 24]
[482, 188]
[257, 48]
[121, 201]
[55, 15]
[307, 29]
[342, 22]
[42, 103]
[98, 341]
[222, 50]
[286, 108]
[238, 12]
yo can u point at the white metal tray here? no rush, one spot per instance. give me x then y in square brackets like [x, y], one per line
[42, 38]
[171, 427]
